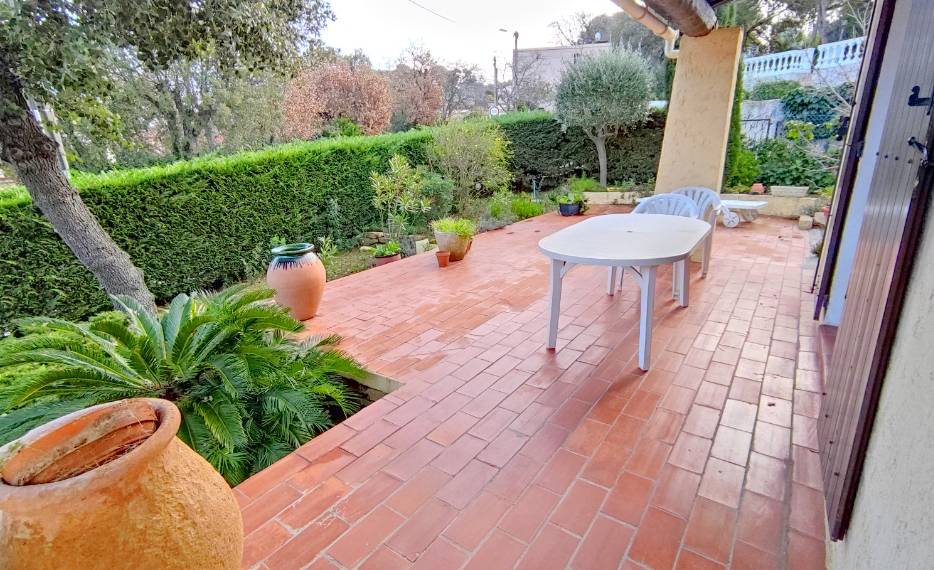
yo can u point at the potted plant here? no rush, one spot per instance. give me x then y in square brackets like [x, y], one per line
[108, 484]
[385, 253]
[443, 258]
[454, 235]
[298, 277]
[571, 204]
[592, 191]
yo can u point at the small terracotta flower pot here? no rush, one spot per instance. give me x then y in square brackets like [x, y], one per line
[110, 484]
[457, 245]
[298, 277]
[443, 258]
[757, 188]
[377, 261]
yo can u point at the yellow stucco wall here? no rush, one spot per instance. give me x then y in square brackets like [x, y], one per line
[697, 128]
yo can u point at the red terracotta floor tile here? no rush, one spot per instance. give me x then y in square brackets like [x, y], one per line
[305, 546]
[739, 415]
[747, 557]
[806, 468]
[732, 445]
[688, 560]
[561, 471]
[525, 518]
[760, 522]
[363, 499]
[441, 554]
[385, 559]
[676, 491]
[657, 540]
[629, 498]
[499, 552]
[772, 440]
[722, 482]
[586, 437]
[264, 541]
[421, 529]
[806, 553]
[710, 530]
[460, 490]
[363, 538]
[456, 456]
[711, 395]
[807, 511]
[485, 412]
[604, 546]
[552, 549]
[579, 507]
[474, 522]
[702, 421]
[690, 452]
[766, 476]
[411, 496]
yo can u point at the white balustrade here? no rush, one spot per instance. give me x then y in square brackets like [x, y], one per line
[800, 63]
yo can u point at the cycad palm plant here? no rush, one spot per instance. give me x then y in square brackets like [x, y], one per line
[249, 392]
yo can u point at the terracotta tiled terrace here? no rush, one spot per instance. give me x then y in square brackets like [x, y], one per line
[497, 453]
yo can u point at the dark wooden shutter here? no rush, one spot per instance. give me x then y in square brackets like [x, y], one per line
[885, 252]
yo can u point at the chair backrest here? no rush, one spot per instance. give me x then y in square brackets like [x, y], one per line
[706, 200]
[669, 204]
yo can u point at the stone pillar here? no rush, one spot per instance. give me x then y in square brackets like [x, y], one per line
[698, 124]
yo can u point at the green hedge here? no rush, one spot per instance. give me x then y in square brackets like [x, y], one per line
[208, 222]
[197, 224]
[542, 148]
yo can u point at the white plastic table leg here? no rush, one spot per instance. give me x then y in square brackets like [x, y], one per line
[611, 280]
[647, 309]
[684, 286]
[554, 301]
[621, 271]
[675, 279]
[708, 248]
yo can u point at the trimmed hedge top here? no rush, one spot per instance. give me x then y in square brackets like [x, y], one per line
[209, 222]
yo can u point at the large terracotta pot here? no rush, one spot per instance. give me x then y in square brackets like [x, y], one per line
[298, 277]
[111, 487]
[457, 245]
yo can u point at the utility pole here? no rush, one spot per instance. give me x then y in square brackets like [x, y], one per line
[515, 68]
[495, 84]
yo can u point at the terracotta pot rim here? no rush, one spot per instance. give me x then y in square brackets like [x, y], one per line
[115, 472]
[293, 249]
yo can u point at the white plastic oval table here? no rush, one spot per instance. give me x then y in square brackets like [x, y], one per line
[637, 243]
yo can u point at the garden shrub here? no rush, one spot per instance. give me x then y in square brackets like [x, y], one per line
[209, 222]
[783, 162]
[772, 90]
[197, 224]
[474, 155]
[524, 207]
[541, 149]
[585, 184]
[818, 106]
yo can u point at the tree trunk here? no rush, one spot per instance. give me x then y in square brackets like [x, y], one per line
[33, 156]
[599, 140]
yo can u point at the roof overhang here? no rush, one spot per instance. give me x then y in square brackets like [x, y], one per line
[690, 17]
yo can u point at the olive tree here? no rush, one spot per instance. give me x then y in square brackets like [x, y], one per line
[604, 96]
[61, 54]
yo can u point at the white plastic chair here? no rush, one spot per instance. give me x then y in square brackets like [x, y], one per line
[708, 208]
[669, 205]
